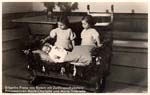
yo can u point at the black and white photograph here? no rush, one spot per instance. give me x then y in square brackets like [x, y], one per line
[74, 47]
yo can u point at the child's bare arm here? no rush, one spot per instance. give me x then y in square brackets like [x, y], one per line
[98, 42]
[45, 39]
[48, 37]
[73, 43]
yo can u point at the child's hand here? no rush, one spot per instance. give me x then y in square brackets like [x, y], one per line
[26, 51]
[100, 45]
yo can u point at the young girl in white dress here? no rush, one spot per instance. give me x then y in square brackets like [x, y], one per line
[89, 35]
[63, 34]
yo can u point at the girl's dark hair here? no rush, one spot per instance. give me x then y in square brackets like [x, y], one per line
[89, 19]
[64, 20]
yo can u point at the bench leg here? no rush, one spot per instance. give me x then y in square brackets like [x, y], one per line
[100, 84]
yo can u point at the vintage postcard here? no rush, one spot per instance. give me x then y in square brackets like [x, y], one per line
[74, 47]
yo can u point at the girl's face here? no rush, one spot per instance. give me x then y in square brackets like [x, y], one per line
[85, 25]
[61, 25]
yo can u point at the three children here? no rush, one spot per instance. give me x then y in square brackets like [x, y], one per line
[65, 37]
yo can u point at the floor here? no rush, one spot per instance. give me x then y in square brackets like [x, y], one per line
[15, 76]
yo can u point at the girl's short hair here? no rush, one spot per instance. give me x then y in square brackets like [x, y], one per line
[89, 19]
[64, 19]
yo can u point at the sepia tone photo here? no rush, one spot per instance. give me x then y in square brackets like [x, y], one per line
[74, 47]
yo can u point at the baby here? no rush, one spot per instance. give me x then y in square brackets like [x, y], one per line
[57, 54]
[47, 48]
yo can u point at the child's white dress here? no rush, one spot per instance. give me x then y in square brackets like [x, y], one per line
[63, 37]
[89, 36]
